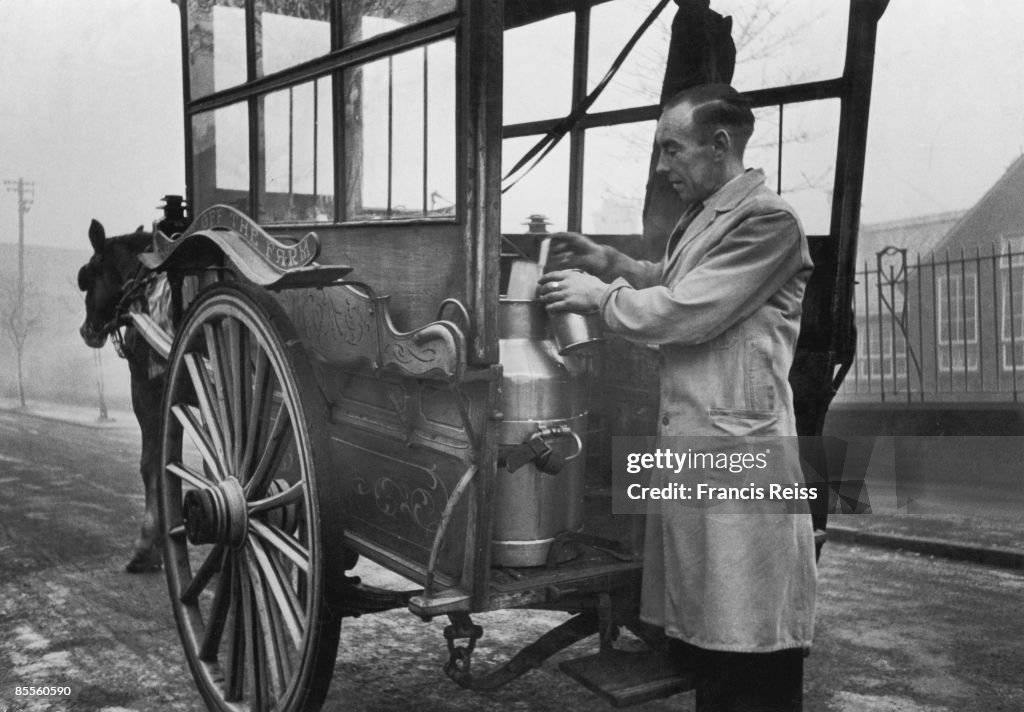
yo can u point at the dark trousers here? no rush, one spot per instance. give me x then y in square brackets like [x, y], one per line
[744, 682]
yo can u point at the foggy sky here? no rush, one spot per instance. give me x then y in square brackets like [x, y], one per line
[90, 110]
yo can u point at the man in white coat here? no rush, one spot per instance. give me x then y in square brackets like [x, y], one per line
[724, 307]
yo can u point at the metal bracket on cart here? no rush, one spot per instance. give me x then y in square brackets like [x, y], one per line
[428, 603]
[458, 667]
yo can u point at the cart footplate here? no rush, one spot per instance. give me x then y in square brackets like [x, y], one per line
[626, 678]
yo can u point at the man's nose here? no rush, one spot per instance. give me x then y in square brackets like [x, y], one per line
[661, 168]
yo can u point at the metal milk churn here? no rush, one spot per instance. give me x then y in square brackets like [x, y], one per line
[539, 489]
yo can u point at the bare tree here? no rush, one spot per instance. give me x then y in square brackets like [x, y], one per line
[18, 321]
[762, 30]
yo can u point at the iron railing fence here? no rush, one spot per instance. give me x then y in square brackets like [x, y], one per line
[940, 327]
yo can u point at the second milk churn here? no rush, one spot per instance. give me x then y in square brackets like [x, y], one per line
[539, 489]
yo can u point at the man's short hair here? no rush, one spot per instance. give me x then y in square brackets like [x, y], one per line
[717, 106]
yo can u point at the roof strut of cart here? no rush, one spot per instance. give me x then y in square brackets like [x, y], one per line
[558, 132]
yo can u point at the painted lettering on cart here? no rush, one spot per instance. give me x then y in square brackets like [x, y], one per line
[283, 257]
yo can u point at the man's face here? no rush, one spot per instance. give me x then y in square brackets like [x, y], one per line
[687, 161]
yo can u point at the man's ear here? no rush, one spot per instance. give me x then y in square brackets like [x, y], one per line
[721, 143]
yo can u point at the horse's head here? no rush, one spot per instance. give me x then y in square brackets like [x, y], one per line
[103, 278]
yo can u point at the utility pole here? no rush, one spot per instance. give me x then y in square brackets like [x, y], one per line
[21, 187]
[97, 357]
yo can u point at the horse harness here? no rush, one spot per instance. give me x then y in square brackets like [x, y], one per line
[130, 293]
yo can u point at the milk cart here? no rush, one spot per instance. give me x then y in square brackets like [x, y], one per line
[346, 376]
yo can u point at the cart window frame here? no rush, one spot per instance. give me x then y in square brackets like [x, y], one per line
[574, 193]
[324, 70]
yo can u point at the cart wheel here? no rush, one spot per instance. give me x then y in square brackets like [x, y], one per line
[247, 508]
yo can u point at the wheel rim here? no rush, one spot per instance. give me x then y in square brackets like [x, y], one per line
[241, 512]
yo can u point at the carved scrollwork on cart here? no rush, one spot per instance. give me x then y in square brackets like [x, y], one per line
[436, 348]
[421, 505]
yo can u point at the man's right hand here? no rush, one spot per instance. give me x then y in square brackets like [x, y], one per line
[571, 250]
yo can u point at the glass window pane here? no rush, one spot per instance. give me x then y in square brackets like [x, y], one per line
[543, 191]
[810, 134]
[638, 81]
[763, 147]
[363, 19]
[407, 140]
[441, 195]
[367, 159]
[538, 70]
[298, 154]
[400, 135]
[220, 158]
[291, 32]
[615, 168]
[786, 41]
[216, 45]
[777, 42]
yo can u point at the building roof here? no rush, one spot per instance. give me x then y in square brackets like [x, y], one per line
[918, 235]
[997, 215]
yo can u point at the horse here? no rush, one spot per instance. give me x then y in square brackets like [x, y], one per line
[111, 280]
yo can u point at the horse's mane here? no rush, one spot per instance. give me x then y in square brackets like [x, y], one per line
[123, 250]
[136, 242]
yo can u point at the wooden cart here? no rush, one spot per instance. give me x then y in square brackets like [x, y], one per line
[336, 383]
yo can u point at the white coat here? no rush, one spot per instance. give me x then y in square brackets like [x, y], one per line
[725, 307]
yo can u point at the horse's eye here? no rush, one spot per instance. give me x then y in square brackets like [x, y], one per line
[84, 278]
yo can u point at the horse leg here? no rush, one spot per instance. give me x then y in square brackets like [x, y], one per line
[146, 396]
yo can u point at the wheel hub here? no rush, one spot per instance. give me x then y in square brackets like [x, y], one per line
[217, 515]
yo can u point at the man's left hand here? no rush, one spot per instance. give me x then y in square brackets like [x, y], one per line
[571, 290]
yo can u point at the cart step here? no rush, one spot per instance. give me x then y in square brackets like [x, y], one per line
[628, 678]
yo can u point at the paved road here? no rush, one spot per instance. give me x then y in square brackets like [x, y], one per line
[896, 633]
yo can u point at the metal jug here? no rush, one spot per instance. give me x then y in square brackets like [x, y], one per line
[539, 489]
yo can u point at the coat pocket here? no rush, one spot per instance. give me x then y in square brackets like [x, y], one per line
[744, 422]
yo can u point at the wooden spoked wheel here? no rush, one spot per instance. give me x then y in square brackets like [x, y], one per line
[246, 507]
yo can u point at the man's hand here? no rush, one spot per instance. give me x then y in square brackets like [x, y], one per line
[571, 250]
[571, 290]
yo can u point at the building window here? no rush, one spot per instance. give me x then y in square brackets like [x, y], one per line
[1011, 268]
[956, 317]
[881, 351]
